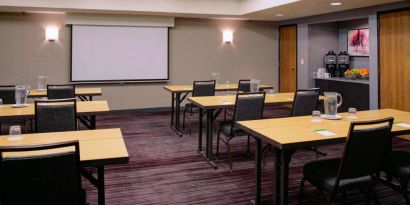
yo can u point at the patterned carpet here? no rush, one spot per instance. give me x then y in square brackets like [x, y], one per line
[165, 168]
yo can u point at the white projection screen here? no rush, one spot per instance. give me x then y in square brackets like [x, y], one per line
[118, 53]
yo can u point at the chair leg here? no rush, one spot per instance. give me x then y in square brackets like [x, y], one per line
[217, 143]
[229, 154]
[344, 197]
[329, 199]
[183, 120]
[302, 184]
[403, 185]
[225, 115]
[248, 153]
[372, 194]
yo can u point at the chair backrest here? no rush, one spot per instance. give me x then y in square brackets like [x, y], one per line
[204, 88]
[8, 94]
[305, 101]
[365, 149]
[45, 179]
[248, 106]
[60, 91]
[244, 86]
[56, 115]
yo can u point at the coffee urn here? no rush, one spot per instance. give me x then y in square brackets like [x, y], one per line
[330, 62]
[342, 64]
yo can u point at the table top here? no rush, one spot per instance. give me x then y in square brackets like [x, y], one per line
[226, 101]
[218, 87]
[78, 92]
[83, 108]
[298, 132]
[97, 147]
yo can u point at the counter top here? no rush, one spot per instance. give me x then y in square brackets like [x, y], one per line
[342, 79]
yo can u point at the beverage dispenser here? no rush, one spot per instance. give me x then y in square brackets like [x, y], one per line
[330, 62]
[342, 64]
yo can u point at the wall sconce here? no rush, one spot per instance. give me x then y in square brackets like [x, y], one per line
[227, 36]
[52, 34]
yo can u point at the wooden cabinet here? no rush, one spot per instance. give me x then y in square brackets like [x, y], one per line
[354, 94]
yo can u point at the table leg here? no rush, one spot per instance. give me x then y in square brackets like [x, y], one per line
[258, 171]
[276, 176]
[93, 122]
[209, 137]
[177, 114]
[200, 131]
[101, 188]
[284, 182]
[172, 109]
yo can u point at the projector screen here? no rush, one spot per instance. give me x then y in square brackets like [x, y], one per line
[118, 53]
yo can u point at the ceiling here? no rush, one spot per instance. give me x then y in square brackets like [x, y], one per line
[236, 9]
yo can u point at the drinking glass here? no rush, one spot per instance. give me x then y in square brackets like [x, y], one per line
[42, 82]
[316, 116]
[255, 85]
[1, 102]
[227, 92]
[15, 133]
[215, 76]
[352, 113]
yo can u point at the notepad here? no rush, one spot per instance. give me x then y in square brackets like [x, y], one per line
[401, 124]
[325, 133]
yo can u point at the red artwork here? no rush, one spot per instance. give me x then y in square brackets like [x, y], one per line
[358, 42]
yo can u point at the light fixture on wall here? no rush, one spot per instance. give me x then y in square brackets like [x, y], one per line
[52, 34]
[227, 36]
[336, 3]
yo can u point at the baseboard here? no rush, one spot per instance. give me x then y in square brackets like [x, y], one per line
[140, 110]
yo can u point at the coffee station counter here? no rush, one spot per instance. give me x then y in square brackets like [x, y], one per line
[355, 93]
[343, 79]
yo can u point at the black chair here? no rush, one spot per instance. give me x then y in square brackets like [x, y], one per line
[362, 161]
[305, 101]
[397, 165]
[8, 93]
[46, 179]
[60, 91]
[200, 88]
[247, 107]
[56, 115]
[244, 86]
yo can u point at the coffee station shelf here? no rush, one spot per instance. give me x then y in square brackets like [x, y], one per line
[342, 79]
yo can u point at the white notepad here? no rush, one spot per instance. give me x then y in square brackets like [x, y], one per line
[325, 133]
[401, 124]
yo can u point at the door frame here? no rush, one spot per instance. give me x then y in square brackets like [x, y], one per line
[379, 13]
[296, 26]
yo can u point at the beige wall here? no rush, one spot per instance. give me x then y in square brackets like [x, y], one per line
[195, 46]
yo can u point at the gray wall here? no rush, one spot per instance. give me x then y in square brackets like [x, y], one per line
[195, 50]
[322, 37]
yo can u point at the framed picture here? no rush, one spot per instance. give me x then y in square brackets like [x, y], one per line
[358, 42]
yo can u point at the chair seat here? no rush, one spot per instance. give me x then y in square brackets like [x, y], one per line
[322, 174]
[191, 108]
[397, 163]
[226, 130]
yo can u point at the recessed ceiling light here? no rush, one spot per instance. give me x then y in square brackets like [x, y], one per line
[279, 14]
[336, 3]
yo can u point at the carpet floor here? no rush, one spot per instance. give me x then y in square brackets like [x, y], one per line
[166, 169]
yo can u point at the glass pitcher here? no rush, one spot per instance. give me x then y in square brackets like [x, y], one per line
[22, 92]
[331, 103]
[255, 85]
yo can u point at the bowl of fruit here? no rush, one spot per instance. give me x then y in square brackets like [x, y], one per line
[357, 73]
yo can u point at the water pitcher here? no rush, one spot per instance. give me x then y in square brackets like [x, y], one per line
[331, 103]
[22, 92]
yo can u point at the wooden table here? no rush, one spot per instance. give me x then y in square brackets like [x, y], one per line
[289, 134]
[98, 148]
[183, 90]
[211, 103]
[85, 94]
[84, 109]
